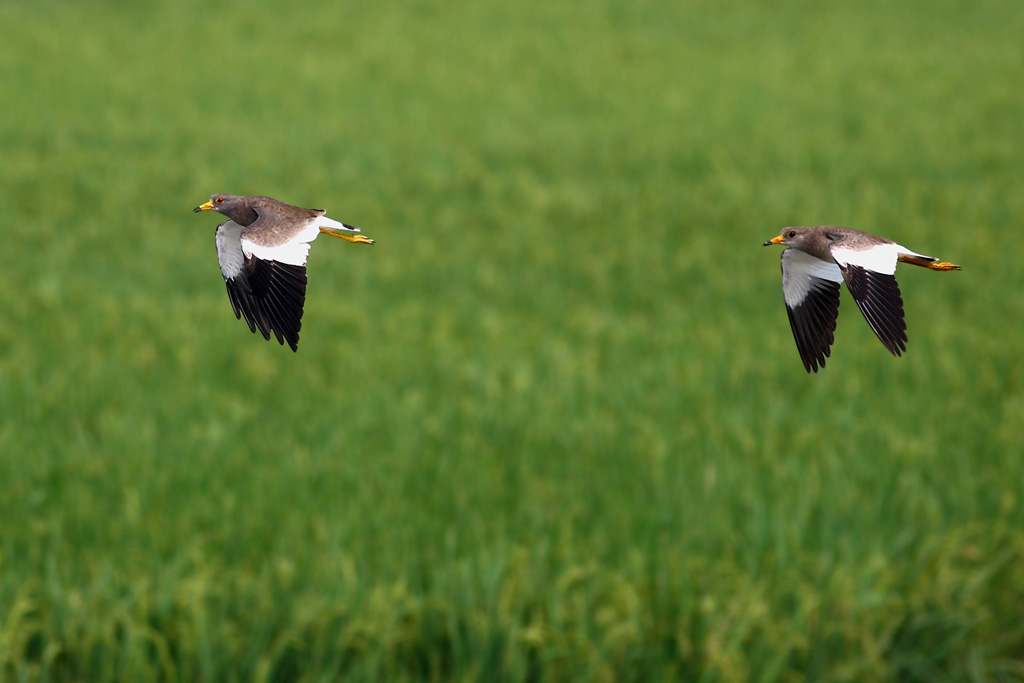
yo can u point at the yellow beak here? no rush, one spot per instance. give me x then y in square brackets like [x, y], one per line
[774, 240]
[203, 207]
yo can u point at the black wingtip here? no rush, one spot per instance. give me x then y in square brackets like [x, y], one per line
[879, 299]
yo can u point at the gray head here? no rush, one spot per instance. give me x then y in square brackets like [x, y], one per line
[236, 208]
[794, 237]
[815, 241]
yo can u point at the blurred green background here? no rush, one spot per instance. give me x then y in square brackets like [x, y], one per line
[553, 426]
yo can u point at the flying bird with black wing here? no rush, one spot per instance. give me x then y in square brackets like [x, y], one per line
[262, 250]
[818, 259]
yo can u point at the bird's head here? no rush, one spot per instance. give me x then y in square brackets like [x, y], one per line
[222, 203]
[791, 237]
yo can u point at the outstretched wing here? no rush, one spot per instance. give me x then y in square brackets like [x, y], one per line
[810, 288]
[870, 276]
[269, 294]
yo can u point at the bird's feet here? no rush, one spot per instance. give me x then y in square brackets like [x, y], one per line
[355, 239]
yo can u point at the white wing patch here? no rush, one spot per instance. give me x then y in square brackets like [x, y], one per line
[229, 249]
[293, 252]
[799, 272]
[880, 258]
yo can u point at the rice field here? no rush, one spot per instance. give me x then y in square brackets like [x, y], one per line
[553, 425]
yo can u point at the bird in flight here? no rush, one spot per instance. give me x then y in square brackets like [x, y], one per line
[818, 260]
[262, 250]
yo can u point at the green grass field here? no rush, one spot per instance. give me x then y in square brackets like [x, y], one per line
[553, 426]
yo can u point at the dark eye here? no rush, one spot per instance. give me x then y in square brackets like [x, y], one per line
[219, 200]
[791, 234]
